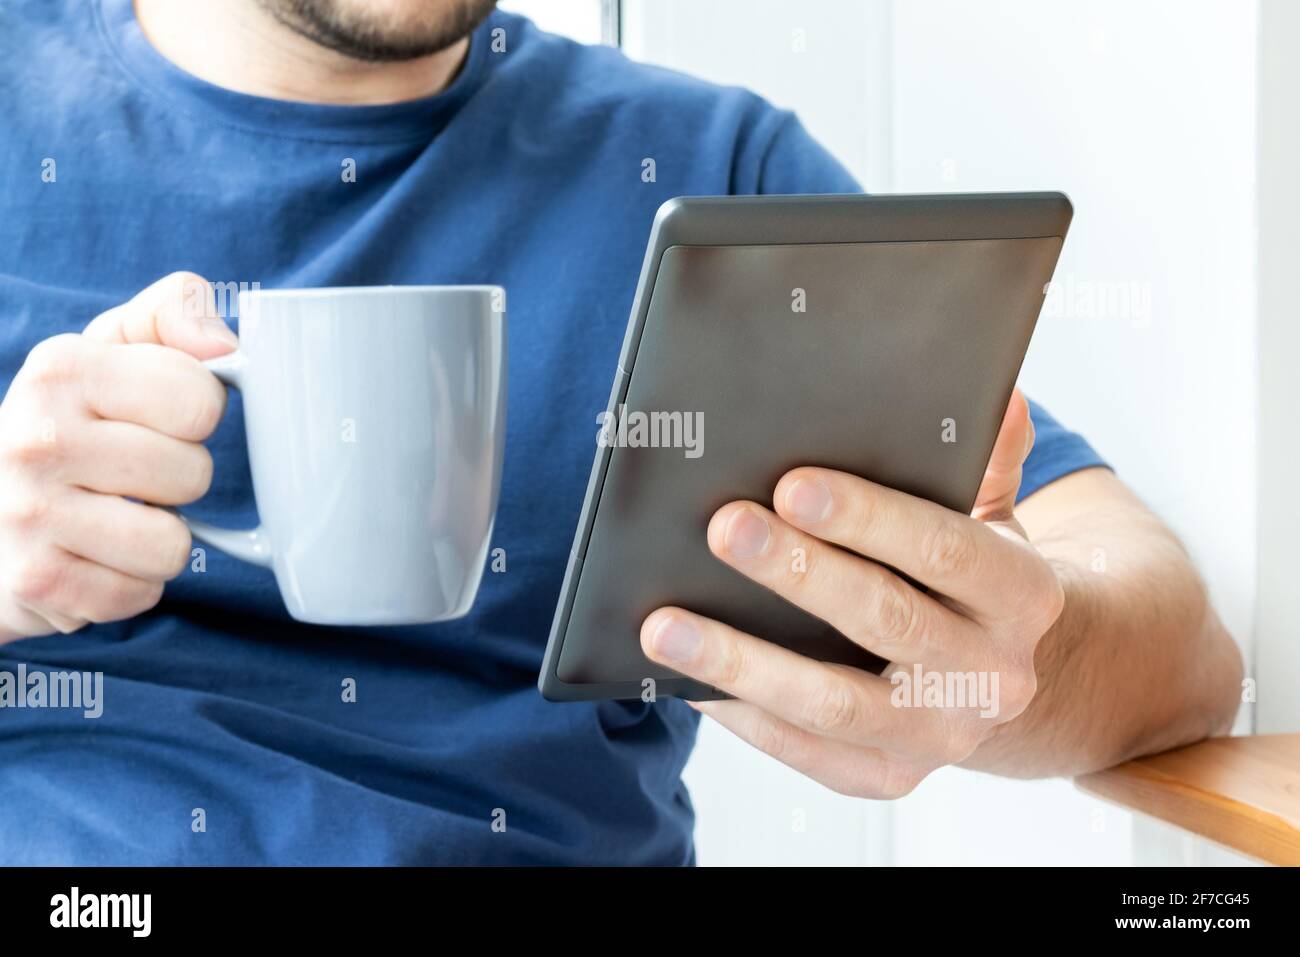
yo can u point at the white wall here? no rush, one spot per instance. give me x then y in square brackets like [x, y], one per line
[579, 19]
[1144, 114]
[1278, 624]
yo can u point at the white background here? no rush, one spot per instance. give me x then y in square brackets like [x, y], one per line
[1144, 112]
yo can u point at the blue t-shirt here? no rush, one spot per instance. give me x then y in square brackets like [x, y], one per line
[527, 171]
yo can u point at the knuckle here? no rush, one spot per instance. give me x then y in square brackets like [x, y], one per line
[887, 780]
[1017, 687]
[26, 511]
[898, 782]
[896, 620]
[797, 565]
[833, 708]
[54, 361]
[36, 579]
[174, 544]
[861, 517]
[183, 282]
[125, 599]
[196, 475]
[1051, 600]
[772, 737]
[1039, 597]
[731, 666]
[188, 294]
[143, 597]
[33, 450]
[948, 550]
[202, 413]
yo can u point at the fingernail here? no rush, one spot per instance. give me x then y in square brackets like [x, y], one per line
[747, 534]
[214, 327]
[809, 500]
[677, 640]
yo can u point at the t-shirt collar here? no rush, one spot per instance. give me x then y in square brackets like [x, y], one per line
[408, 120]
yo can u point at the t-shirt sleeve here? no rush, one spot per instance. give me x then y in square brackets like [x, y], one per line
[789, 160]
[793, 162]
[1056, 453]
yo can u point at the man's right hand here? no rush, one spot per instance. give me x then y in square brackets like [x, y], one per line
[91, 421]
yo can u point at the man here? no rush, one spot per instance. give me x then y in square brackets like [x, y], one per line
[303, 143]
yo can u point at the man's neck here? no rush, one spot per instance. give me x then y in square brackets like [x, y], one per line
[237, 45]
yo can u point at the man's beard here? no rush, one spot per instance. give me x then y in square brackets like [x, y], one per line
[347, 27]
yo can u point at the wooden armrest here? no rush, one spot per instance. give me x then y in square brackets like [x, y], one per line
[1243, 793]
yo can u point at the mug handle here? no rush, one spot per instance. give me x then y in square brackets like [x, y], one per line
[250, 545]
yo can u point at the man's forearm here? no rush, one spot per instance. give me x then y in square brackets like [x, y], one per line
[1138, 662]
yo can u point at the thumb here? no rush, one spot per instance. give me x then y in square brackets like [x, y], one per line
[179, 311]
[997, 494]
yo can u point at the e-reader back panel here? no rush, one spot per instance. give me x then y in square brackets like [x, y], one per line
[887, 358]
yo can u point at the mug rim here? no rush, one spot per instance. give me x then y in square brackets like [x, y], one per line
[313, 291]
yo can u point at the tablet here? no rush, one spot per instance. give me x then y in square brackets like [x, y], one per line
[877, 335]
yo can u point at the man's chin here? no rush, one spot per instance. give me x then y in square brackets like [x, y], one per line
[355, 29]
